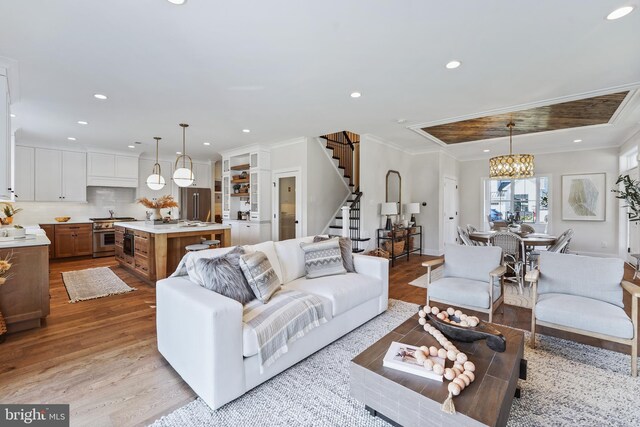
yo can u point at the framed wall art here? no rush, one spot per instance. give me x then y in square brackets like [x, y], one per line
[584, 197]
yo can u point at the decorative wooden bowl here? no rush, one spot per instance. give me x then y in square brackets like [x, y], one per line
[495, 340]
[62, 218]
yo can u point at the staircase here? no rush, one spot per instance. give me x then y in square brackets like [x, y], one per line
[343, 149]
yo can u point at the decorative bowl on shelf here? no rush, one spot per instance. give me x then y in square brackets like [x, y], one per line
[495, 340]
[62, 218]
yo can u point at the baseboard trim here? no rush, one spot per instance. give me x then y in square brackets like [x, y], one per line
[432, 252]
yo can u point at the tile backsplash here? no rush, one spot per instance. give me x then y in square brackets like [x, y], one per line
[99, 201]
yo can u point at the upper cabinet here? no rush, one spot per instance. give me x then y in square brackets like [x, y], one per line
[6, 163]
[60, 176]
[24, 187]
[202, 174]
[112, 170]
[146, 166]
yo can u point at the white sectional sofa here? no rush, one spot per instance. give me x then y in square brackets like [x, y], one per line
[202, 335]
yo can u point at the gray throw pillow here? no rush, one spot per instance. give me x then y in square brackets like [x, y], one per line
[223, 275]
[261, 276]
[322, 258]
[345, 251]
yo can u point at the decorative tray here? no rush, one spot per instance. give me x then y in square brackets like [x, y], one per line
[495, 340]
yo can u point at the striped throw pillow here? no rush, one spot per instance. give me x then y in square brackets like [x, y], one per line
[322, 258]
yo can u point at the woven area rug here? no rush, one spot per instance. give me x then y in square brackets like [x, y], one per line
[93, 283]
[512, 295]
[568, 384]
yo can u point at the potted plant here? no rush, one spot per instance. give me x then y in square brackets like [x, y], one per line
[236, 188]
[630, 193]
[9, 211]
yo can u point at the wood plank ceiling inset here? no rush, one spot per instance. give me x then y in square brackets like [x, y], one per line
[566, 115]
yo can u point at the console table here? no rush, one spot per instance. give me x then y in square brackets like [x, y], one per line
[401, 234]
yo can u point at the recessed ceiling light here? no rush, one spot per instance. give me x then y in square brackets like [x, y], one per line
[453, 64]
[206, 143]
[71, 138]
[178, 2]
[485, 151]
[131, 146]
[100, 96]
[12, 115]
[577, 140]
[619, 13]
[82, 122]
[356, 94]
[178, 152]
[246, 130]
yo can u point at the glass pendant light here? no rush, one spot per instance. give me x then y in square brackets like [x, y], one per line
[183, 175]
[512, 166]
[155, 181]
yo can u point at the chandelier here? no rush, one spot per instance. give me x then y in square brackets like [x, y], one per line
[511, 166]
[183, 175]
[155, 181]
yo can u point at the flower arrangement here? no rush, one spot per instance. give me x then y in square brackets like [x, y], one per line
[160, 203]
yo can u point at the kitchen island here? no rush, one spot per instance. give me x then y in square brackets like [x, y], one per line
[24, 297]
[154, 251]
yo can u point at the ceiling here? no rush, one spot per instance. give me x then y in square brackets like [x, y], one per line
[597, 110]
[285, 69]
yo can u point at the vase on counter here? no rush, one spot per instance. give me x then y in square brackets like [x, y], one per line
[156, 215]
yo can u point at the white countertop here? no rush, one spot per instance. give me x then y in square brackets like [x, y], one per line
[71, 221]
[29, 240]
[169, 228]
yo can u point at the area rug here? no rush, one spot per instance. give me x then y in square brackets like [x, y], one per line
[511, 294]
[568, 384]
[93, 283]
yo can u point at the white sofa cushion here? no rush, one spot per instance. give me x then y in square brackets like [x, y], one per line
[291, 257]
[471, 262]
[269, 250]
[345, 291]
[250, 339]
[584, 313]
[585, 276]
[457, 290]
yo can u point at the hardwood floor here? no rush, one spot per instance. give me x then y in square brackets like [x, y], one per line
[101, 357]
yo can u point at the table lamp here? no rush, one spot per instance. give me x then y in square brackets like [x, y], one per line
[412, 208]
[389, 209]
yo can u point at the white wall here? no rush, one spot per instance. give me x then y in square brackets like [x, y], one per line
[591, 237]
[326, 187]
[376, 158]
[425, 183]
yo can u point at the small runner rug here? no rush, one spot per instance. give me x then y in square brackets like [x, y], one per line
[93, 283]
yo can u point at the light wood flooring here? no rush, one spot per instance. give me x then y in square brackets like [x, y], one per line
[101, 357]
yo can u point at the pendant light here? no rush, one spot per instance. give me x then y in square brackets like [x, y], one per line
[155, 181]
[512, 166]
[183, 176]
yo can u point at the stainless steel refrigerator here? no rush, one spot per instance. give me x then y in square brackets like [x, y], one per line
[195, 204]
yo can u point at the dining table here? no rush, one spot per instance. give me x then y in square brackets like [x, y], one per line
[531, 239]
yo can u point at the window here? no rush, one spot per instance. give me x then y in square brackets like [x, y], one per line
[629, 160]
[523, 200]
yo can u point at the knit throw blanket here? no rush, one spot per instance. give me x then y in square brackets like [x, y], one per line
[287, 316]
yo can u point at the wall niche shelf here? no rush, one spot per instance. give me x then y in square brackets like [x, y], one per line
[244, 167]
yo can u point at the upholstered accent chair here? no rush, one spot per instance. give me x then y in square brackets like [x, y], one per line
[472, 278]
[583, 295]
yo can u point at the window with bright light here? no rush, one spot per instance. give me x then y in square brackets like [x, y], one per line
[629, 160]
[525, 200]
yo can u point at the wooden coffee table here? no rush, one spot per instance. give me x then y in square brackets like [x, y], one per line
[408, 400]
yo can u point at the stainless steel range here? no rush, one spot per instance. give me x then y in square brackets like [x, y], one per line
[104, 236]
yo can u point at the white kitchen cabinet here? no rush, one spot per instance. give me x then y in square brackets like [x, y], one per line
[60, 176]
[248, 232]
[202, 174]
[24, 177]
[6, 149]
[112, 170]
[74, 176]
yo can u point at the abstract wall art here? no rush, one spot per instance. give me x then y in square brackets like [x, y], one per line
[584, 197]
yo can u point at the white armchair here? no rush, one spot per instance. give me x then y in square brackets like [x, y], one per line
[583, 295]
[472, 278]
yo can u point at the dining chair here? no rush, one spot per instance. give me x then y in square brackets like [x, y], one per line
[513, 253]
[526, 228]
[560, 246]
[472, 229]
[464, 237]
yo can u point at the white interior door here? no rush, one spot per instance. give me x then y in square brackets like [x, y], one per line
[450, 194]
[287, 206]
